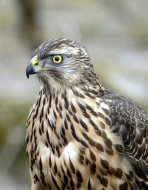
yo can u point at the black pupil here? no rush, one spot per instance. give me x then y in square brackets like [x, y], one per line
[57, 59]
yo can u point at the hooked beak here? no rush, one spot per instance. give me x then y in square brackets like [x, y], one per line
[32, 67]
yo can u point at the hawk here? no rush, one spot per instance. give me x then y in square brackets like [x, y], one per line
[79, 134]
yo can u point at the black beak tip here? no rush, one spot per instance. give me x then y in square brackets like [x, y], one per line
[27, 74]
[29, 70]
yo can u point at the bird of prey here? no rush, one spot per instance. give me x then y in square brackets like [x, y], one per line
[79, 134]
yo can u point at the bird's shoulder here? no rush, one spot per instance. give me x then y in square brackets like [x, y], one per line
[125, 107]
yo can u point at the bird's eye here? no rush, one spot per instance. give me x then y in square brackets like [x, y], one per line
[57, 59]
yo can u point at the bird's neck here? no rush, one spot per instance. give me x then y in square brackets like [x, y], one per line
[89, 86]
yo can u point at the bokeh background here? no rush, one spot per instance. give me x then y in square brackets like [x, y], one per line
[115, 33]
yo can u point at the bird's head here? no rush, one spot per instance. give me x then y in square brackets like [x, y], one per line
[60, 62]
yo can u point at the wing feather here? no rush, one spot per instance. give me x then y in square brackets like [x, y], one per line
[130, 121]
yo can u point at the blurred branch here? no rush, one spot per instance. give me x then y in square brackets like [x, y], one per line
[29, 22]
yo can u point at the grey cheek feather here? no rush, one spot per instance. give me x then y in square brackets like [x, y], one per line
[68, 66]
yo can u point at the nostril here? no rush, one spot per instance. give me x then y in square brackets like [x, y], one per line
[36, 64]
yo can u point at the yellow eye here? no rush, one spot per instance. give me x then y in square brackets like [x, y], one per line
[57, 59]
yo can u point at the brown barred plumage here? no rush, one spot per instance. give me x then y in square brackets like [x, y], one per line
[80, 135]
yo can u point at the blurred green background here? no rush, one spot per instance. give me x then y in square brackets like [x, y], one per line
[115, 33]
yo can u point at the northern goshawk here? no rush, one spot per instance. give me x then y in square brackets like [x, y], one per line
[79, 134]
